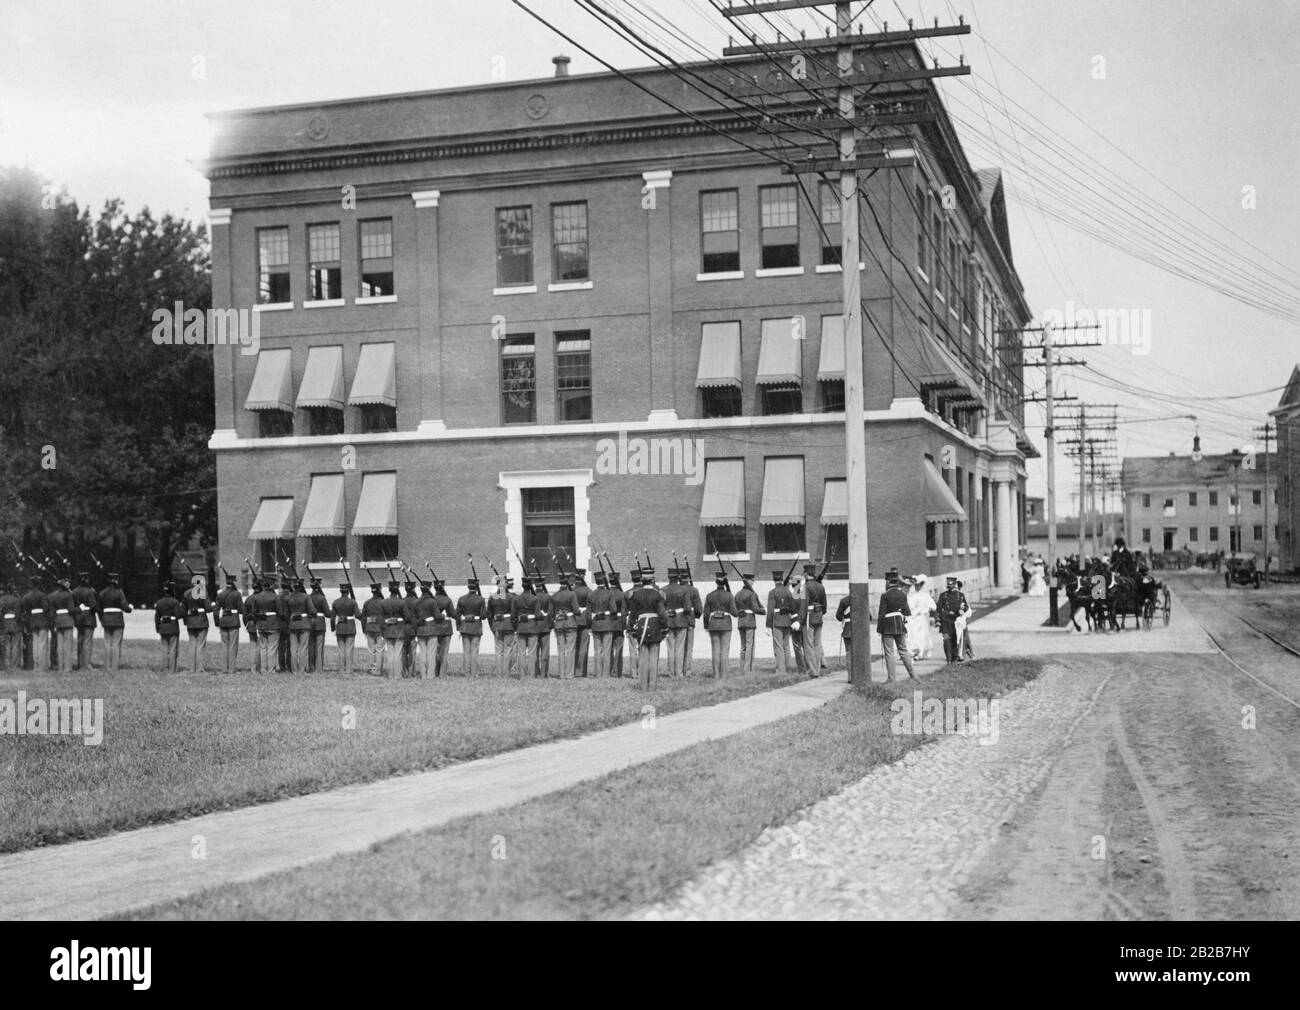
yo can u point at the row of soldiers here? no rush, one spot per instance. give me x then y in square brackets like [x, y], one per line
[56, 628]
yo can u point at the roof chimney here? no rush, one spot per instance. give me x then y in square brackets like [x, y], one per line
[561, 66]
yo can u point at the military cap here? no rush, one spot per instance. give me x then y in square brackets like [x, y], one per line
[411, 585]
[720, 578]
[510, 583]
[472, 584]
[892, 576]
[647, 575]
[230, 580]
[345, 589]
[748, 576]
[376, 588]
[425, 587]
[315, 581]
[439, 585]
[601, 579]
[114, 576]
[778, 577]
[952, 580]
[674, 575]
[83, 576]
[810, 569]
[169, 587]
[394, 585]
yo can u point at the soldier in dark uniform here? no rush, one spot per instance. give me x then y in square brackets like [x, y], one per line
[797, 625]
[61, 607]
[604, 622]
[428, 617]
[546, 625]
[285, 640]
[343, 622]
[677, 601]
[11, 629]
[408, 632]
[85, 604]
[617, 641]
[372, 623]
[470, 611]
[319, 622]
[272, 627]
[167, 623]
[697, 611]
[815, 613]
[230, 607]
[443, 629]
[951, 604]
[647, 619]
[845, 617]
[564, 617]
[34, 614]
[582, 645]
[302, 613]
[719, 609]
[504, 645]
[782, 614]
[750, 609]
[195, 606]
[250, 624]
[394, 630]
[892, 625]
[527, 617]
[633, 649]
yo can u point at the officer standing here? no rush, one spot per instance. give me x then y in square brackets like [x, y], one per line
[428, 616]
[633, 649]
[697, 611]
[545, 626]
[617, 640]
[61, 608]
[319, 622]
[35, 618]
[443, 629]
[647, 620]
[372, 623]
[582, 646]
[677, 601]
[285, 640]
[604, 621]
[409, 611]
[301, 617]
[230, 605]
[892, 625]
[564, 616]
[11, 629]
[166, 621]
[719, 609]
[503, 627]
[750, 608]
[951, 604]
[196, 606]
[782, 613]
[394, 630]
[343, 622]
[272, 623]
[85, 604]
[815, 595]
[250, 624]
[797, 625]
[470, 610]
[526, 615]
[845, 617]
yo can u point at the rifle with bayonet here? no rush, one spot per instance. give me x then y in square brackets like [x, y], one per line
[827, 566]
[343, 563]
[200, 588]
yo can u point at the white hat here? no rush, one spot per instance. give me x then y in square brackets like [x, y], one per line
[920, 579]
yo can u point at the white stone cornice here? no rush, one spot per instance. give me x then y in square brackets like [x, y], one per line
[219, 215]
[658, 179]
[427, 198]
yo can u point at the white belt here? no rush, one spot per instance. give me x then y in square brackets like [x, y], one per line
[430, 620]
[60, 611]
[894, 613]
[112, 610]
[36, 610]
[10, 615]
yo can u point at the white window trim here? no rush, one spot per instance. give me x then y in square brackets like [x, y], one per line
[947, 552]
[570, 286]
[726, 275]
[521, 289]
[931, 554]
[779, 272]
[835, 268]
[273, 307]
[374, 299]
[725, 557]
[786, 556]
[514, 482]
[325, 303]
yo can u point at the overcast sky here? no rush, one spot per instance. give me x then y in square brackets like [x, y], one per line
[1188, 103]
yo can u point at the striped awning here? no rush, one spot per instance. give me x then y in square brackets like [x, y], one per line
[782, 491]
[272, 386]
[719, 355]
[831, 363]
[941, 505]
[724, 493]
[780, 358]
[835, 503]
[376, 378]
[274, 520]
[322, 379]
[377, 509]
[323, 516]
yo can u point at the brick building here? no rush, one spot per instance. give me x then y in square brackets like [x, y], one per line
[1286, 418]
[558, 314]
[1215, 504]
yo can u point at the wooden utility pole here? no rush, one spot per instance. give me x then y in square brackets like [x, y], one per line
[1266, 432]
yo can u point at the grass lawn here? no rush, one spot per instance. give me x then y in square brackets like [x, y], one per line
[179, 745]
[606, 848]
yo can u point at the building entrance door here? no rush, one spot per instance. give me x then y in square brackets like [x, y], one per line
[1169, 534]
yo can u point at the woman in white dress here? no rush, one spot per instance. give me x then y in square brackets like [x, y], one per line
[921, 604]
[1038, 578]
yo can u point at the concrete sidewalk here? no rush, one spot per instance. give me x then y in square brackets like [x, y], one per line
[133, 869]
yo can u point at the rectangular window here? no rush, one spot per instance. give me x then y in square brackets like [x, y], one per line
[278, 552]
[1214, 534]
[1194, 534]
[1259, 533]
[936, 251]
[274, 423]
[1191, 499]
[377, 258]
[931, 536]
[325, 421]
[549, 526]
[379, 548]
[324, 272]
[830, 217]
[720, 401]
[781, 399]
[727, 539]
[1146, 501]
[573, 376]
[514, 246]
[1214, 497]
[377, 417]
[327, 550]
[720, 231]
[779, 226]
[832, 396]
[1146, 535]
[272, 266]
[954, 275]
[569, 249]
[1257, 498]
[922, 215]
[518, 380]
[784, 538]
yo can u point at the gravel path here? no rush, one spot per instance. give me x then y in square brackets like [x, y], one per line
[900, 843]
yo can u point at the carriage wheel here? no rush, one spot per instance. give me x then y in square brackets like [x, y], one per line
[1166, 608]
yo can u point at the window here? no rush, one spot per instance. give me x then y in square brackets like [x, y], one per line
[779, 220]
[518, 380]
[324, 274]
[1257, 498]
[549, 525]
[832, 396]
[379, 548]
[720, 231]
[274, 423]
[1214, 497]
[1214, 534]
[720, 401]
[272, 266]
[514, 246]
[278, 552]
[377, 258]
[782, 399]
[931, 536]
[573, 376]
[922, 245]
[376, 417]
[1194, 534]
[326, 550]
[1258, 533]
[569, 249]
[954, 275]
[324, 421]
[1146, 535]
[830, 218]
[727, 539]
[1146, 501]
[783, 538]
[967, 295]
[1169, 506]
[1191, 500]
[936, 250]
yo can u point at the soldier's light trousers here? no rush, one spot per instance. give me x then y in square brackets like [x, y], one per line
[529, 655]
[298, 642]
[230, 649]
[812, 647]
[440, 654]
[616, 653]
[580, 650]
[375, 643]
[633, 655]
[66, 646]
[171, 648]
[543, 655]
[13, 649]
[676, 643]
[469, 654]
[269, 647]
[647, 663]
[747, 650]
[688, 651]
[85, 648]
[198, 639]
[426, 649]
[895, 647]
[604, 649]
[347, 652]
[781, 649]
[720, 647]
[567, 641]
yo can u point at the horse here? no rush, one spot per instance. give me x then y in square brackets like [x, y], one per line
[1078, 591]
[1122, 600]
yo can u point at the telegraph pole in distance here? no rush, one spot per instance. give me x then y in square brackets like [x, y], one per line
[1266, 432]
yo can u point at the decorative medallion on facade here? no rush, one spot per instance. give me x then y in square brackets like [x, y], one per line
[318, 128]
[536, 106]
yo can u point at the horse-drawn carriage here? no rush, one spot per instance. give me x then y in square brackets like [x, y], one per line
[1107, 598]
[1240, 570]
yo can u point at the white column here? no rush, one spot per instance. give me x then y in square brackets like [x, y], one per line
[1005, 535]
